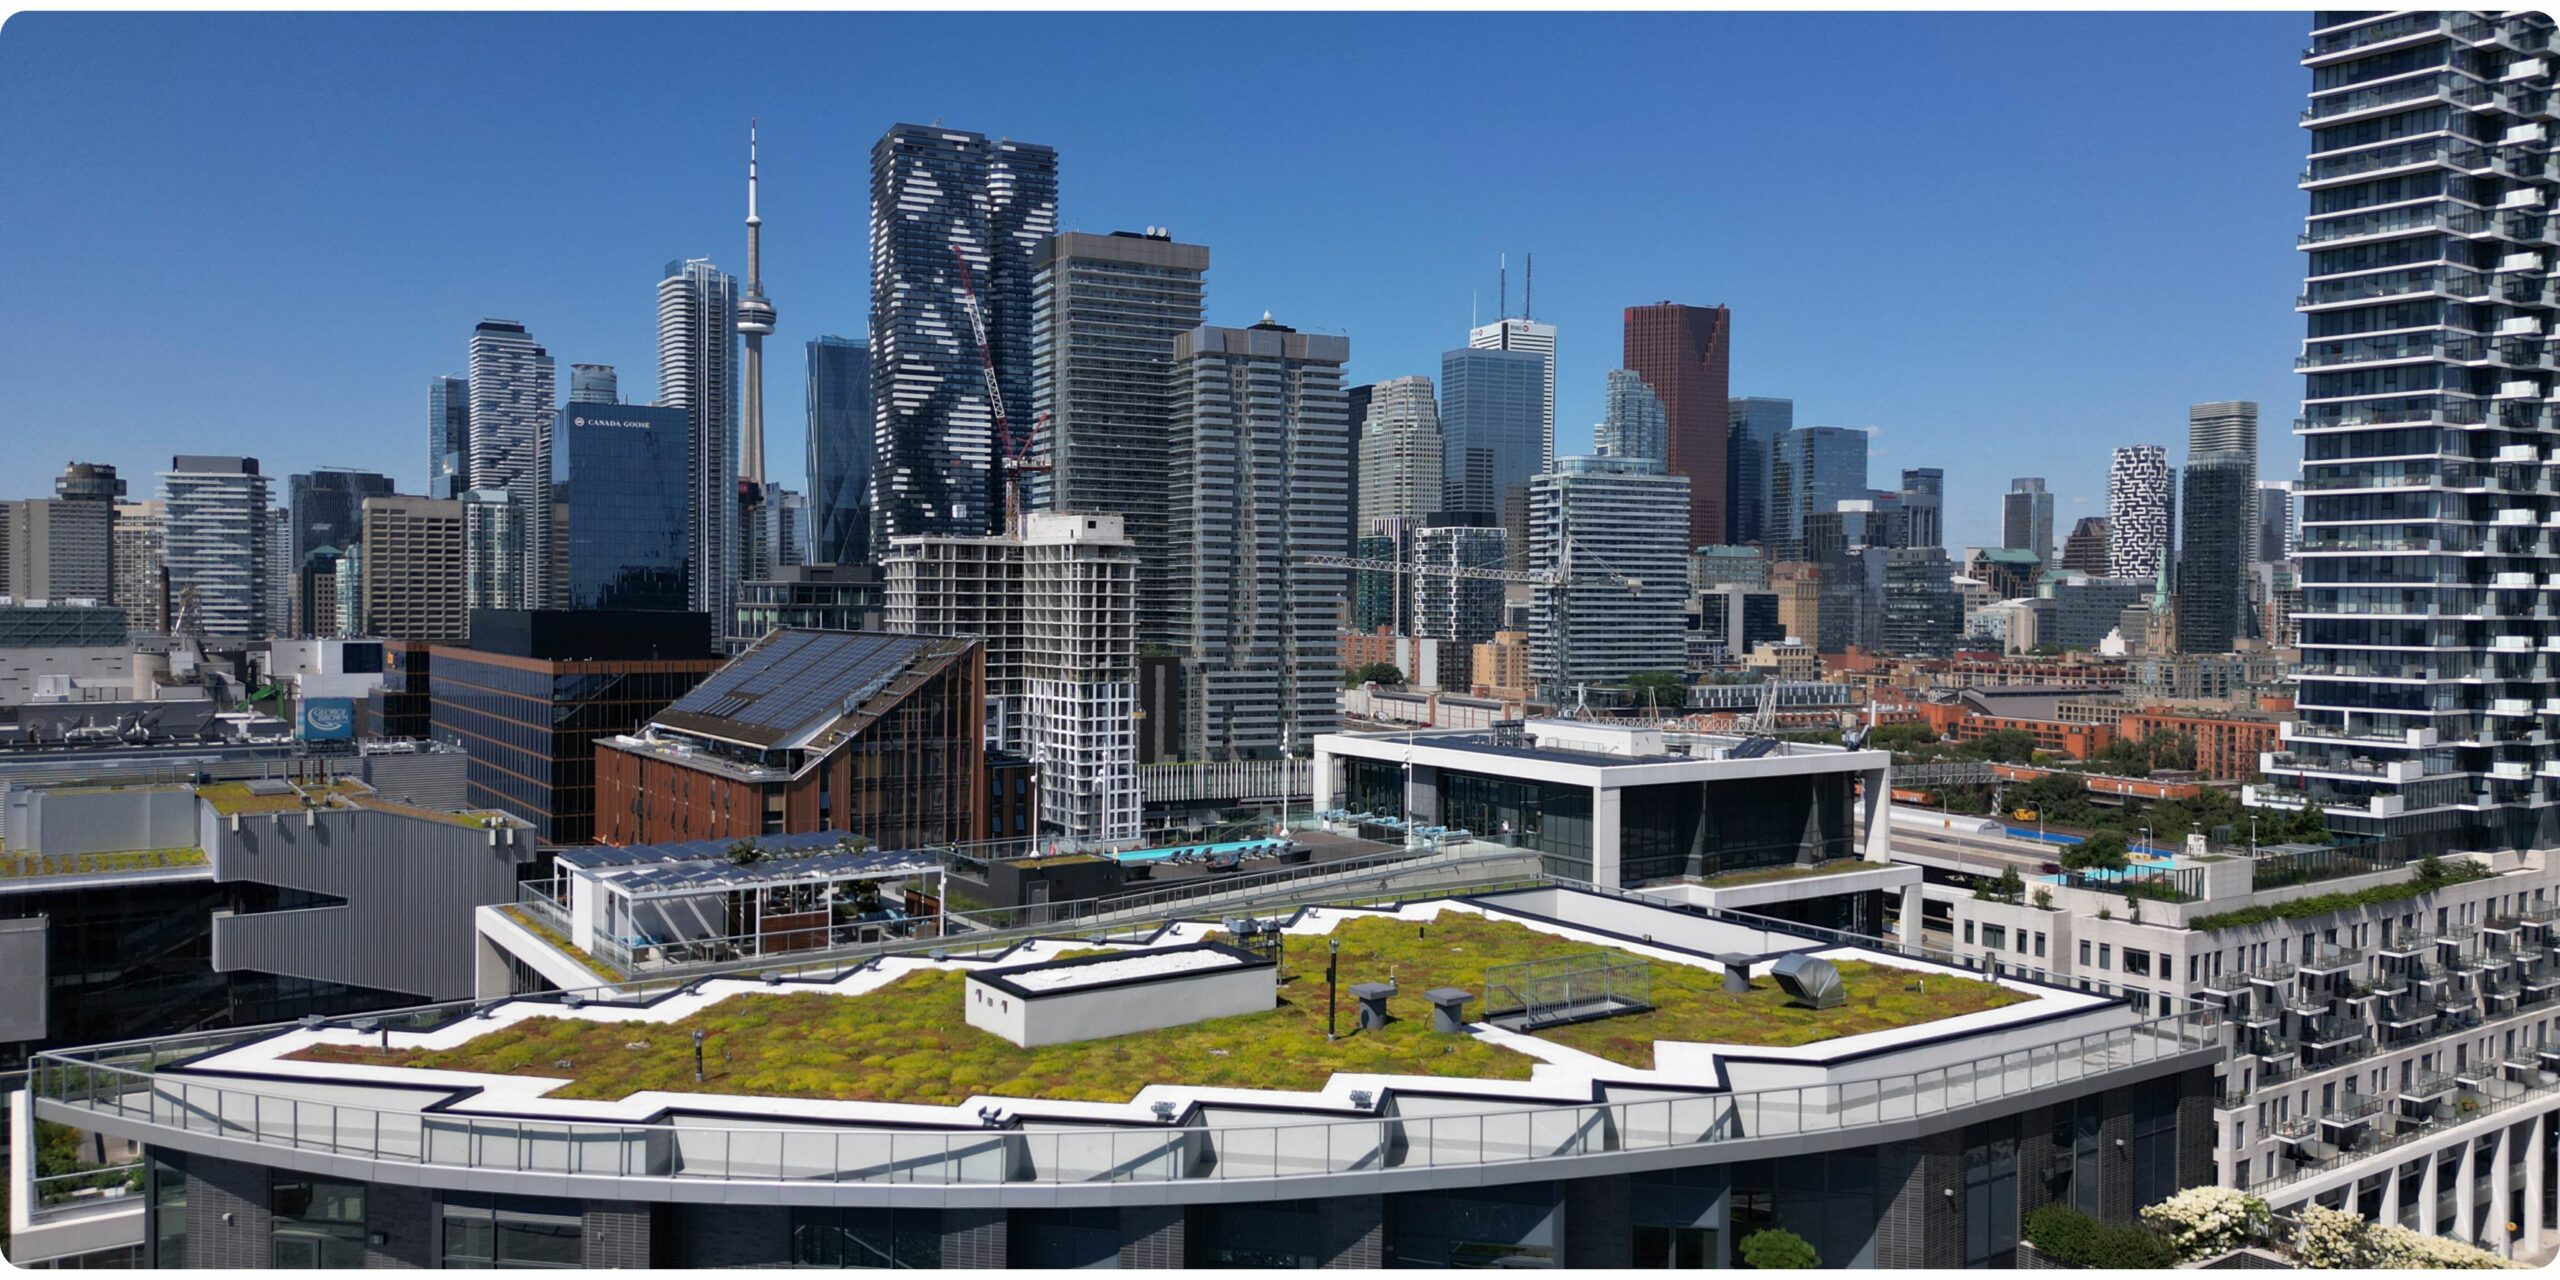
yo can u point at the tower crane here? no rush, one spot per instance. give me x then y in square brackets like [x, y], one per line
[1011, 458]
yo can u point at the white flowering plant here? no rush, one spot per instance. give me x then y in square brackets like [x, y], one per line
[2334, 1239]
[2205, 1222]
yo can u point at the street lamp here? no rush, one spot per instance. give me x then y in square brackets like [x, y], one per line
[697, 1057]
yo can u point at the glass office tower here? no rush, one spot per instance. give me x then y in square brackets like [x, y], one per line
[616, 490]
[839, 401]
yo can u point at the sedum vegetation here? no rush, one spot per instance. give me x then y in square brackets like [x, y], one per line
[908, 1041]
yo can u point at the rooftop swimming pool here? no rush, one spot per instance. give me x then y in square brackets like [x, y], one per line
[1202, 850]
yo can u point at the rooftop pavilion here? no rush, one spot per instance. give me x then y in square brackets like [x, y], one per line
[651, 906]
[1629, 807]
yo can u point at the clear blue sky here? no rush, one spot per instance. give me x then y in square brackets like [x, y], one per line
[2005, 242]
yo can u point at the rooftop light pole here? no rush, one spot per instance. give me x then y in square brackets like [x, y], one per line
[1332, 968]
[697, 1056]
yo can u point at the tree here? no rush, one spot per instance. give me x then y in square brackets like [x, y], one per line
[744, 853]
[1663, 689]
[2431, 870]
[2013, 887]
[1902, 737]
[2101, 851]
[1778, 1249]
[1379, 672]
[2010, 746]
[2311, 826]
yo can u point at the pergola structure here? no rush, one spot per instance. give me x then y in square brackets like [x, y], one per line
[667, 906]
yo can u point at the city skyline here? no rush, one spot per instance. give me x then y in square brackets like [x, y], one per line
[327, 196]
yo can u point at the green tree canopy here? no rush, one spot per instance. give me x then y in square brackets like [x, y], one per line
[2101, 851]
[1381, 672]
[1664, 689]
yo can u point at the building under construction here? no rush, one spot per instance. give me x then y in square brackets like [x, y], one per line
[1056, 604]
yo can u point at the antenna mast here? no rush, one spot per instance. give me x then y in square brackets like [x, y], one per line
[1529, 286]
[1503, 272]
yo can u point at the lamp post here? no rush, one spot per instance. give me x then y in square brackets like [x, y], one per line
[1332, 970]
[697, 1057]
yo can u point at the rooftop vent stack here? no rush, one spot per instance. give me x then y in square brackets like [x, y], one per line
[1737, 972]
[1810, 982]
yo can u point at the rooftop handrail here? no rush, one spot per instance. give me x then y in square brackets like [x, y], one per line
[74, 1084]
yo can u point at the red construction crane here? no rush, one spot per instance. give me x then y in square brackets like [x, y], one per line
[1013, 457]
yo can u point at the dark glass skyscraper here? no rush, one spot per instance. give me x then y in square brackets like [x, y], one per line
[1811, 470]
[448, 437]
[328, 509]
[2213, 552]
[941, 198]
[1493, 415]
[1752, 424]
[617, 492]
[1684, 353]
[839, 401]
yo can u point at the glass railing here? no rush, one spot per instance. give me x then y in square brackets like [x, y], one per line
[2406, 25]
[97, 1087]
[2458, 89]
[2459, 154]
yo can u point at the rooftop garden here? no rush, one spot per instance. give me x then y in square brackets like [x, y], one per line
[472, 818]
[1771, 875]
[228, 798]
[908, 1042]
[25, 866]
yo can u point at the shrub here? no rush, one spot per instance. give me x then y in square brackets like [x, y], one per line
[2203, 1222]
[2323, 904]
[2068, 1235]
[1777, 1249]
[2333, 1239]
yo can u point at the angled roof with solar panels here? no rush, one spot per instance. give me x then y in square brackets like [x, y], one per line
[790, 689]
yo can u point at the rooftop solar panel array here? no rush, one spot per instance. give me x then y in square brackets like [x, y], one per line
[793, 679]
[593, 857]
[720, 874]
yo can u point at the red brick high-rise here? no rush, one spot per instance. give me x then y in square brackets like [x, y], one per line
[1684, 354]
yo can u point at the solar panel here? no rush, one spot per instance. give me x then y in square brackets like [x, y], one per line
[793, 678]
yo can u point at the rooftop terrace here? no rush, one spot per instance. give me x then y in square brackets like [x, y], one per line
[895, 1033]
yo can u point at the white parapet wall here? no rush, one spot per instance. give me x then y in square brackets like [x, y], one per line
[1090, 997]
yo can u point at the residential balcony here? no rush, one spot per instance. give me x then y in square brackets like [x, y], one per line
[2333, 960]
[2405, 27]
[2447, 87]
[2451, 219]
[2455, 152]
[2427, 1086]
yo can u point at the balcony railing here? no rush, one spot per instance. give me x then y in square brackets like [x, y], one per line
[119, 1087]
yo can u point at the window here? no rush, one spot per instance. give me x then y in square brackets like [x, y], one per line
[2084, 951]
[2039, 944]
[318, 1224]
[1683, 1248]
[899, 1238]
[1968, 933]
[1991, 1194]
[2137, 962]
[1279, 1234]
[2106, 955]
[513, 1233]
[1995, 937]
[168, 1210]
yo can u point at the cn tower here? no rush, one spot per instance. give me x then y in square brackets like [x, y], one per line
[755, 320]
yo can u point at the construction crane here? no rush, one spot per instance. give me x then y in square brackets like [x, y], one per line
[1011, 458]
[1556, 579]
